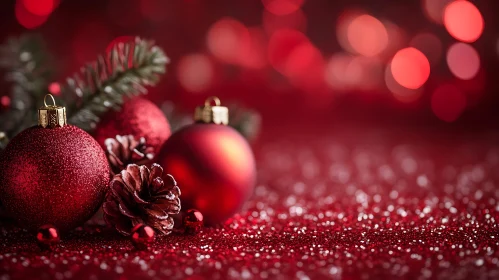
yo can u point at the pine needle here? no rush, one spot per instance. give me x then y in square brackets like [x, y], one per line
[24, 60]
[105, 84]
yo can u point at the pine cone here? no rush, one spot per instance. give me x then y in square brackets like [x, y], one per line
[139, 196]
[124, 150]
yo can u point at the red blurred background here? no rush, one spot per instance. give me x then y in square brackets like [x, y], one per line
[409, 63]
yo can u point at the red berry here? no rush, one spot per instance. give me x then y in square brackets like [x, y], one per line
[142, 236]
[47, 237]
[193, 221]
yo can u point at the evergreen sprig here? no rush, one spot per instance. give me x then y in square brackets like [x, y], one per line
[24, 61]
[104, 84]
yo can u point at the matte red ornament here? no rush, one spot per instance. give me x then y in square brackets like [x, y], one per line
[193, 221]
[212, 163]
[142, 236]
[138, 117]
[53, 174]
[47, 237]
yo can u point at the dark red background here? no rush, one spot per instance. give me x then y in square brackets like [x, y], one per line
[77, 31]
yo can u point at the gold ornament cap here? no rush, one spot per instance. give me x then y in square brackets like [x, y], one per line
[212, 114]
[50, 116]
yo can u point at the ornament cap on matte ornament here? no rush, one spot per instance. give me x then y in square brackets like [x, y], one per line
[212, 162]
[51, 115]
[212, 114]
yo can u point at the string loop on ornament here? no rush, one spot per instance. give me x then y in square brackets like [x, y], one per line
[210, 99]
[45, 100]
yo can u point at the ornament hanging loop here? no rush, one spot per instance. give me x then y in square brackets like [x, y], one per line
[45, 100]
[217, 114]
[51, 116]
[208, 101]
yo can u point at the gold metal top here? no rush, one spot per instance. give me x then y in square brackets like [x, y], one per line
[212, 114]
[51, 115]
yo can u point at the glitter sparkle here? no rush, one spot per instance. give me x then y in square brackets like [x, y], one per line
[321, 209]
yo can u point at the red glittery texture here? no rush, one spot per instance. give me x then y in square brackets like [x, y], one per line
[138, 117]
[321, 209]
[55, 176]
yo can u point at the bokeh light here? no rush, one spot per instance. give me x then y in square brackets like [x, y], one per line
[282, 44]
[434, 9]
[54, 88]
[305, 67]
[347, 72]
[410, 68]
[448, 102]
[253, 53]
[282, 7]
[5, 101]
[463, 61]
[430, 45]
[399, 92]
[342, 25]
[367, 35]
[26, 18]
[226, 38]
[463, 21]
[296, 20]
[39, 7]
[397, 39]
[337, 74]
[195, 72]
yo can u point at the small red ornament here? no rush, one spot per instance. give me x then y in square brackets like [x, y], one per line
[193, 221]
[142, 236]
[53, 173]
[138, 117]
[47, 237]
[213, 164]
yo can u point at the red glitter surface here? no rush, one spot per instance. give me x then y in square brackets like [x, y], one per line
[53, 176]
[349, 207]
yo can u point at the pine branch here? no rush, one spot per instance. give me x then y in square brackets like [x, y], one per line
[103, 84]
[244, 120]
[24, 61]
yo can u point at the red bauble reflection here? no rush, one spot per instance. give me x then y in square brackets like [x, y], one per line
[142, 236]
[47, 237]
[138, 117]
[214, 167]
[55, 176]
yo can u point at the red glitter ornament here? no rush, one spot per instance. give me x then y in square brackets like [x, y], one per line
[142, 236]
[47, 237]
[53, 173]
[138, 117]
[193, 221]
[212, 163]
